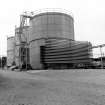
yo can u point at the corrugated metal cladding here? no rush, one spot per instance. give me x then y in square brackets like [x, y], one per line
[61, 51]
[48, 25]
[10, 50]
[52, 24]
[66, 52]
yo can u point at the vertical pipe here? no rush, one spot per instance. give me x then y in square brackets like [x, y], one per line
[19, 57]
[1, 61]
[26, 55]
[101, 57]
[26, 44]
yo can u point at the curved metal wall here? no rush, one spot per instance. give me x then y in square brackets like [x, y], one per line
[10, 50]
[35, 53]
[17, 55]
[52, 24]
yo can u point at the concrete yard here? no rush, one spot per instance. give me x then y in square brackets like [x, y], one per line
[53, 87]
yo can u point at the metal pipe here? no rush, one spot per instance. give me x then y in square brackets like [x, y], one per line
[1, 61]
[26, 45]
[101, 57]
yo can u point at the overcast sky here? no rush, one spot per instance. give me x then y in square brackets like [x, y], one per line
[89, 17]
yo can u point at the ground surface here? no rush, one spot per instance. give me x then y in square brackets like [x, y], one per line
[69, 87]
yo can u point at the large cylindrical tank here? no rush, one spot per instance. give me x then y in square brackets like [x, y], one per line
[10, 50]
[48, 25]
[52, 24]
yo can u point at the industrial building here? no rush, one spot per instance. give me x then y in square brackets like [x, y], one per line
[48, 42]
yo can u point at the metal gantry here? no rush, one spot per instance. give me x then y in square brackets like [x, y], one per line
[100, 46]
[23, 23]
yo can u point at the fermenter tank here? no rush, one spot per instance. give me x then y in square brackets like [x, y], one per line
[10, 50]
[48, 25]
[52, 24]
